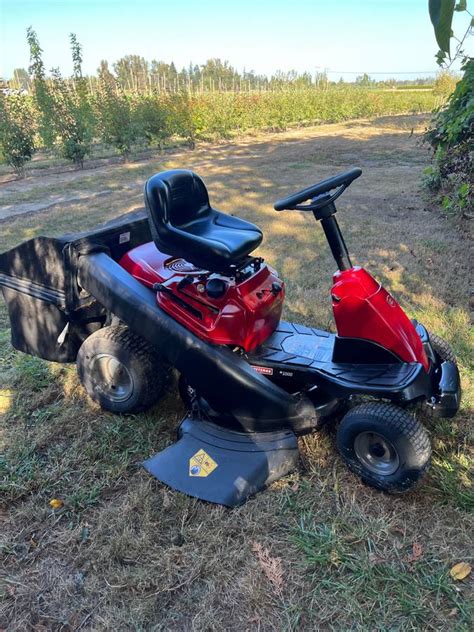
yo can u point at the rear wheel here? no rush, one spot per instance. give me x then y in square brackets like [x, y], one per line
[385, 445]
[120, 372]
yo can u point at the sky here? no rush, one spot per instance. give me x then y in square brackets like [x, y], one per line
[345, 37]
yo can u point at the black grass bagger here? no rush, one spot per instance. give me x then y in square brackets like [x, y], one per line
[176, 286]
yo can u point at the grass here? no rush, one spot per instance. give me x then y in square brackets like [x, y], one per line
[369, 564]
[126, 553]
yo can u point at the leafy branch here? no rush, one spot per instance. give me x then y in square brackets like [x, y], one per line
[441, 15]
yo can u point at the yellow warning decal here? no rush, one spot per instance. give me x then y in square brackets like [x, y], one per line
[201, 464]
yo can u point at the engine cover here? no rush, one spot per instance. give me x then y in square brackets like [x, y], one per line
[241, 311]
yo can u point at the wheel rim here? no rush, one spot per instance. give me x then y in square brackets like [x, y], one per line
[376, 453]
[111, 378]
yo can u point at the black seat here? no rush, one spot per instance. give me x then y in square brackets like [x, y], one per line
[184, 224]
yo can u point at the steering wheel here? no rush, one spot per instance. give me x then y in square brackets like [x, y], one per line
[339, 182]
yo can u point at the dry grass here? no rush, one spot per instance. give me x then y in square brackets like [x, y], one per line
[317, 551]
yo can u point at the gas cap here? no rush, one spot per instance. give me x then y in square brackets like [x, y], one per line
[216, 288]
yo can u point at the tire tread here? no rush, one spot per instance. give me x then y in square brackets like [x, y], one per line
[156, 369]
[402, 422]
[442, 348]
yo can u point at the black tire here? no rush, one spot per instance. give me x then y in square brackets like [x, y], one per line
[385, 445]
[120, 372]
[442, 349]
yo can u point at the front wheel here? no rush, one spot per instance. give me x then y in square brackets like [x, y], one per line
[442, 349]
[385, 445]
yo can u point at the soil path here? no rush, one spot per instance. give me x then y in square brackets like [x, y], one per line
[384, 142]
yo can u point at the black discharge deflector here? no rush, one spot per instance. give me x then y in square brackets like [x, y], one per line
[223, 466]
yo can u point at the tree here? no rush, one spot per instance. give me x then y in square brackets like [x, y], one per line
[114, 113]
[132, 73]
[72, 121]
[41, 92]
[364, 81]
[66, 121]
[16, 132]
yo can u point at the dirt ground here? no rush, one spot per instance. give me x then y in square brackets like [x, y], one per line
[316, 551]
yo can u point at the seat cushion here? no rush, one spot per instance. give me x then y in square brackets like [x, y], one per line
[183, 223]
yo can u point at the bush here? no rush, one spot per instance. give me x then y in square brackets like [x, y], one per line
[451, 137]
[72, 120]
[445, 84]
[154, 118]
[16, 132]
[181, 107]
[117, 121]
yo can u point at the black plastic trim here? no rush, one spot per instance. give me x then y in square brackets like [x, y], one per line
[448, 399]
[354, 349]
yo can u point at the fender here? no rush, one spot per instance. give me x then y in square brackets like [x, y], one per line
[364, 309]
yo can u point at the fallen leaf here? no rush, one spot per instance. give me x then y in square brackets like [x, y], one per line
[271, 566]
[417, 552]
[460, 571]
[56, 503]
[6, 398]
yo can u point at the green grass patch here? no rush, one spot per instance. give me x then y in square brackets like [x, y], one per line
[381, 591]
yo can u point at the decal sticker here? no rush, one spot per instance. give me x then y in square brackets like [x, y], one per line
[265, 370]
[201, 464]
[124, 238]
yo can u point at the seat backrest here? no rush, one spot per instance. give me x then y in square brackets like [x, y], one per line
[175, 197]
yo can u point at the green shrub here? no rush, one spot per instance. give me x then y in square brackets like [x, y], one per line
[445, 84]
[72, 121]
[451, 138]
[184, 122]
[117, 121]
[17, 132]
[154, 118]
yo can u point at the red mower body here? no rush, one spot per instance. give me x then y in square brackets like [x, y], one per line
[364, 309]
[249, 312]
[244, 316]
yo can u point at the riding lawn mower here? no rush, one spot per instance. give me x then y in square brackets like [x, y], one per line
[175, 286]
